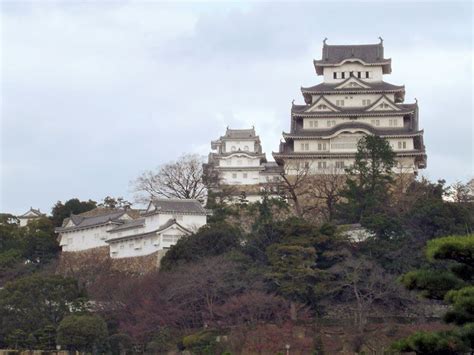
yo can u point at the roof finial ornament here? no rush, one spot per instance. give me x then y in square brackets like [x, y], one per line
[293, 102]
[381, 40]
[324, 40]
[416, 100]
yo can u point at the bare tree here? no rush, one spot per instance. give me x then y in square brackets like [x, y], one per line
[364, 287]
[179, 179]
[295, 183]
[461, 193]
[324, 189]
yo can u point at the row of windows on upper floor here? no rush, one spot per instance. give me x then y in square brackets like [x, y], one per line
[345, 145]
[395, 122]
[234, 148]
[240, 162]
[337, 165]
[245, 176]
[347, 74]
[321, 165]
[341, 102]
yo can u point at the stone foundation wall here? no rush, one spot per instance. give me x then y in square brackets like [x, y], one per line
[99, 259]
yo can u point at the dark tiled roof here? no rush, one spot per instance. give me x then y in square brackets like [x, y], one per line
[368, 53]
[240, 133]
[252, 154]
[179, 206]
[164, 226]
[135, 223]
[306, 155]
[373, 86]
[86, 222]
[37, 212]
[272, 168]
[351, 125]
[298, 110]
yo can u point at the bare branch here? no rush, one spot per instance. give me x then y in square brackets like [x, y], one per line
[179, 179]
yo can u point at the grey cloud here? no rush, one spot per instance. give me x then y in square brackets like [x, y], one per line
[125, 87]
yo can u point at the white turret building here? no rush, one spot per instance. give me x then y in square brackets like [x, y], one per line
[163, 223]
[353, 100]
[237, 160]
[128, 233]
[30, 215]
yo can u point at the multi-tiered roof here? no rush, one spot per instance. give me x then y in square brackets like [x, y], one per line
[351, 73]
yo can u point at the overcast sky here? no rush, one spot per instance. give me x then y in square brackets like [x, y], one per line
[93, 93]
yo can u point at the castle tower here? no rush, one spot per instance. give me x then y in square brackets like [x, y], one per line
[238, 162]
[353, 100]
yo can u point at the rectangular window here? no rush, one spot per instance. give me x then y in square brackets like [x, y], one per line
[340, 165]
[245, 175]
[234, 176]
[311, 124]
[367, 75]
[306, 164]
[340, 102]
[343, 75]
[334, 75]
[402, 145]
[321, 165]
[321, 146]
[359, 74]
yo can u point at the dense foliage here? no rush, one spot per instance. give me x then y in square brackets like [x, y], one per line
[456, 287]
[258, 271]
[61, 210]
[25, 250]
[32, 307]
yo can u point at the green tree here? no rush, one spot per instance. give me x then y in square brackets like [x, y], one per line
[39, 241]
[31, 304]
[368, 180]
[457, 289]
[299, 261]
[83, 332]
[210, 240]
[111, 202]
[28, 249]
[61, 211]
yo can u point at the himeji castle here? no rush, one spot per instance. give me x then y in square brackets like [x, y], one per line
[353, 100]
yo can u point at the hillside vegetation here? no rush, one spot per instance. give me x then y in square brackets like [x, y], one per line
[260, 278]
